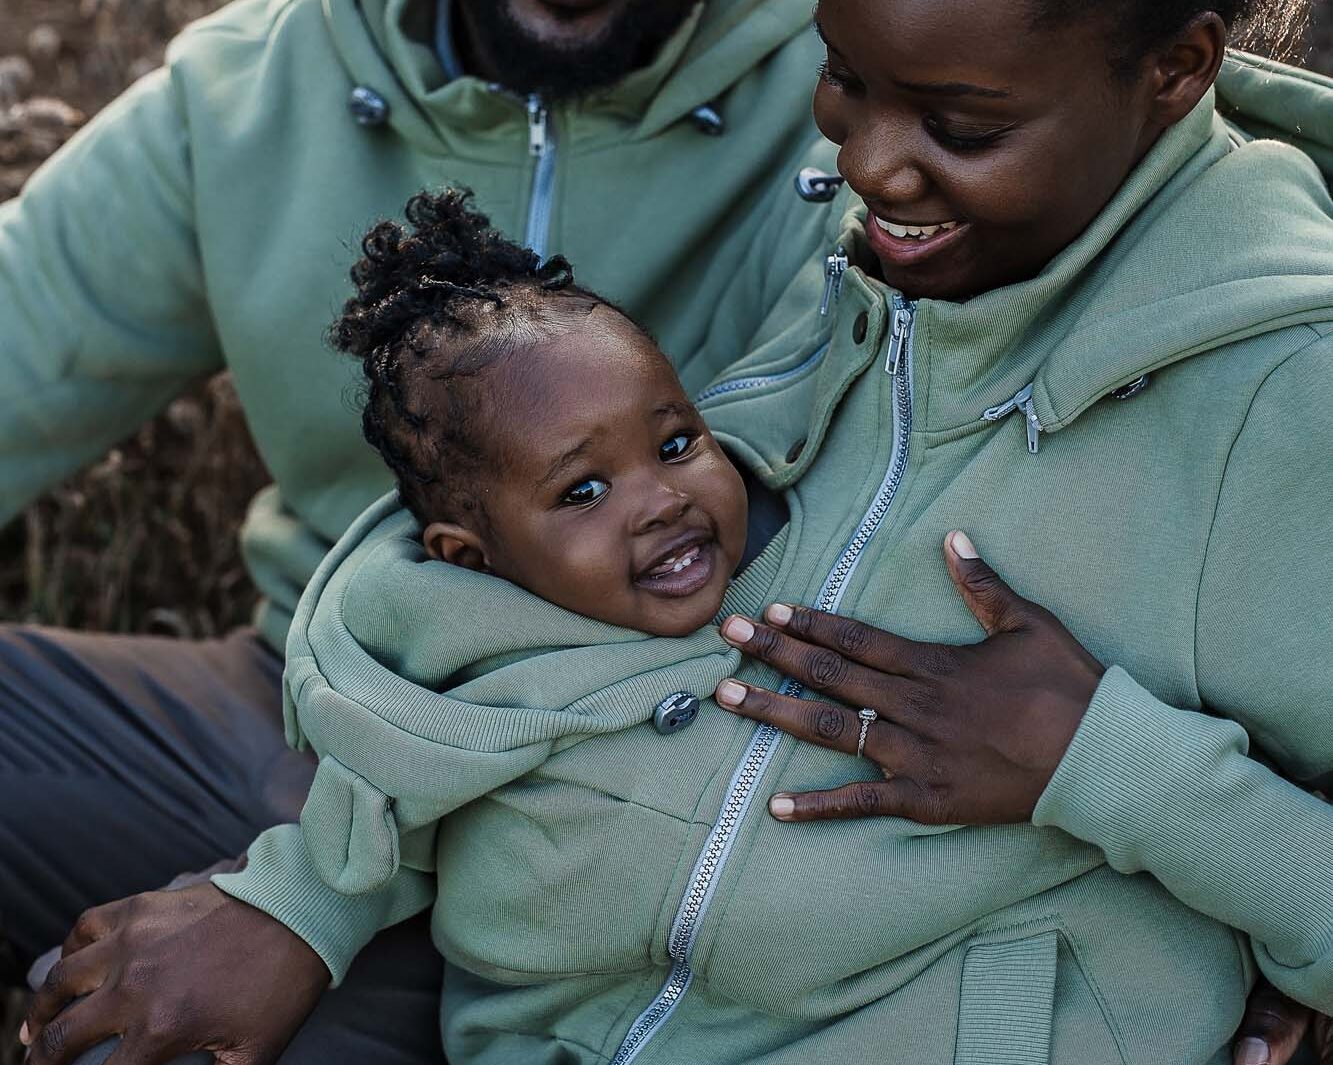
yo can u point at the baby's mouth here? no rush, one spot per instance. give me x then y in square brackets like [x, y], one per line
[676, 563]
[683, 572]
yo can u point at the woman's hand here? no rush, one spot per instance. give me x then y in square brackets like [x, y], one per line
[965, 735]
[173, 972]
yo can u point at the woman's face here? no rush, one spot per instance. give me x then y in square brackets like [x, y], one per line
[958, 114]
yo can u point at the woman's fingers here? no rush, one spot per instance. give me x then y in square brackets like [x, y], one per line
[857, 641]
[827, 724]
[1272, 1028]
[820, 669]
[993, 603]
[896, 797]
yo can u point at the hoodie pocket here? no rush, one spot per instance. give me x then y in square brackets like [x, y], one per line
[1007, 1002]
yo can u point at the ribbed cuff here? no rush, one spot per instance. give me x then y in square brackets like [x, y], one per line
[281, 880]
[1136, 768]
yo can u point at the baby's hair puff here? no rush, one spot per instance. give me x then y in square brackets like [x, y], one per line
[440, 301]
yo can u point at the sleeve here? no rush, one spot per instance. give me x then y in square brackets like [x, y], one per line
[1176, 793]
[102, 306]
[283, 880]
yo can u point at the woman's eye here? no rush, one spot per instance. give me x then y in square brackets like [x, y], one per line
[964, 140]
[677, 447]
[835, 78]
[585, 492]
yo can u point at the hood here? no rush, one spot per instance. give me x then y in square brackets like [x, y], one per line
[389, 46]
[1270, 100]
[1212, 240]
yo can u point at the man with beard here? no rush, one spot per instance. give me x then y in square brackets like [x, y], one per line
[200, 223]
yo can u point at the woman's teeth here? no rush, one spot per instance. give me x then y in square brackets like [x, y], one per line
[913, 232]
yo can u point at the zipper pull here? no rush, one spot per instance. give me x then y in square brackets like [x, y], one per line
[1024, 402]
[536, 126]
[835, 266]
[902, 332]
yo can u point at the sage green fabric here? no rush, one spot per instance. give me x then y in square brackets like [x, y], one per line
[1184, 535]
[208, 219]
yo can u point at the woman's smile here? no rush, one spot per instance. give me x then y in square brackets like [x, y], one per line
[909, 245]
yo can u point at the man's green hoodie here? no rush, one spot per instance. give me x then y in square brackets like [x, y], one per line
[204, 221]
[1139, 438]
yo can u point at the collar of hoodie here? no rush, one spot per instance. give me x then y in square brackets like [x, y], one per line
[1209, 241]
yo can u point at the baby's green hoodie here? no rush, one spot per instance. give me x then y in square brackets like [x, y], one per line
[1139, 438]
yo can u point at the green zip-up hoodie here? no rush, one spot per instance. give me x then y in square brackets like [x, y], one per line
[203, 222]
[626, 897]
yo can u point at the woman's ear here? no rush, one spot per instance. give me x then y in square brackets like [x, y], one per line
[1185, 70]
[446, 542]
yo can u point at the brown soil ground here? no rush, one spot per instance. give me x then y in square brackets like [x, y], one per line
[81, 555]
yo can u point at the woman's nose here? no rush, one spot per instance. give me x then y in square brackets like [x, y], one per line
[879, 164]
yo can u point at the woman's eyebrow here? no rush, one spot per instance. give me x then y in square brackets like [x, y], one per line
[951, 88]
[683, 410]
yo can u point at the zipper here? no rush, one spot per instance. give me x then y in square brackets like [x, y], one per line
[835, 266]
[1022, 401]
[743, 384]
[902, 329]
[759, 754]
[541, 146]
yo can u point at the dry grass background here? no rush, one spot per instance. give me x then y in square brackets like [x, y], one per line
[144, 540]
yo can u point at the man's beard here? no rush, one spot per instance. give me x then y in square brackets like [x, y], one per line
[525, 63]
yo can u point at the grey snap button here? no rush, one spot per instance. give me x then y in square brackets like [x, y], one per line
[675, 712]
[368, 107]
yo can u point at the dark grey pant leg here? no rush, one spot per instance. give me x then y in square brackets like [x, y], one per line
[387, 1011]
[127, 760]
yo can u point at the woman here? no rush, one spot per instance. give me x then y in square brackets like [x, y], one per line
[1083, 321]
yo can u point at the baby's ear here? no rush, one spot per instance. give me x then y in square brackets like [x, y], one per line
[446, 542]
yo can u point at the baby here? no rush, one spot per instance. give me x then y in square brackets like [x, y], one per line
[536, 432]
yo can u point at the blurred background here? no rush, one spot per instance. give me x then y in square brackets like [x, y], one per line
[79, 556]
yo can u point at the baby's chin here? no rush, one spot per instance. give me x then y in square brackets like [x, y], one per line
[684, 617]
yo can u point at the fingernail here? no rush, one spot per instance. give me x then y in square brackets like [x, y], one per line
[781, 806]
[729, 693]
[1253, 1052]
[24, 1037]
[738, 630]
[962, 545]
[779, 613]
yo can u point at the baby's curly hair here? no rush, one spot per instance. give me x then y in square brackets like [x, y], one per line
[438, 304]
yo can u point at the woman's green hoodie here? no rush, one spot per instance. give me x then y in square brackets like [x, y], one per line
[1140, 439]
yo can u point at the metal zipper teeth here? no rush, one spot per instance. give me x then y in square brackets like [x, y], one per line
[760, 752]
[543, 176]
[742, 384]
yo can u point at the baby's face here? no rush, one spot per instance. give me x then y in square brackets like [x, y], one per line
[611, 498]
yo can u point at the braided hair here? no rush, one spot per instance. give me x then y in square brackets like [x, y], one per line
[439, 303]
[1270, 26]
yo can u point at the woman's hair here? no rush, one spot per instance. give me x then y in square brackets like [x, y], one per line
[439, 303]
[1273, 27]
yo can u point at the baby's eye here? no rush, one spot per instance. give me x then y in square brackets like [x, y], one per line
[677, 447]
[586, 492]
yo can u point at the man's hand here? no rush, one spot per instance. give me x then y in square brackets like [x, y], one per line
[174, 972]
[1274, 1026]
